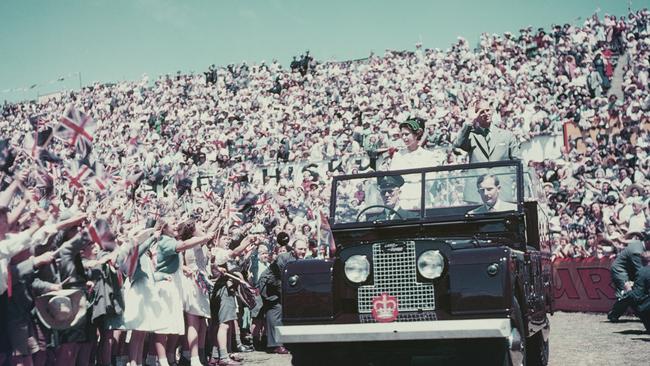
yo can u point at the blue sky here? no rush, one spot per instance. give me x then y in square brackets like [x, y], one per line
[42, 40]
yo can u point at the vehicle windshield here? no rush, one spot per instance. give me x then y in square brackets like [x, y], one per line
[388, 196]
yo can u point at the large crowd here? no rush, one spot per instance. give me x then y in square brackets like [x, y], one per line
[231, 168]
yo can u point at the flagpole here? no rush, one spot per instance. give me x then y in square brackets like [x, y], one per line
[79, 74]
[318, 227]
[226, 193]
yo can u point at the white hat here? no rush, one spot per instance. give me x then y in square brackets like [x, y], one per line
[61, 309]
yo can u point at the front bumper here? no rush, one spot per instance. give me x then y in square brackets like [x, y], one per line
[427, 330]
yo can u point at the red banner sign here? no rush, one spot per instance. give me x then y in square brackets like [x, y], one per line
[583, 284]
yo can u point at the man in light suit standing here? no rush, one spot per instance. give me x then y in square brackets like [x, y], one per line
[484, 142]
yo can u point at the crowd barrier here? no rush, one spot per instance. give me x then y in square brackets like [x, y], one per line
[583, 284]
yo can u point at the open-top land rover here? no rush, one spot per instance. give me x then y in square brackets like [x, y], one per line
[448, 264]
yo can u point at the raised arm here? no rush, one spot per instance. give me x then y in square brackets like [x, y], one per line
[8, 194]
[192, 242]
[245, 243]
[17, 212]
[462, 140]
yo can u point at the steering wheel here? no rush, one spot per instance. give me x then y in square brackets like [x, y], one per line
[379, 206]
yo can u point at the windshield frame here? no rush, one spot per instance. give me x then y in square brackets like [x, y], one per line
[423, 218]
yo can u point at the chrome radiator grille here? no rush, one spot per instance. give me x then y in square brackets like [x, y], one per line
[395, 273]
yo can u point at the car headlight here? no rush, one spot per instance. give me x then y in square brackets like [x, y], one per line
[357, 268]
[431, 264]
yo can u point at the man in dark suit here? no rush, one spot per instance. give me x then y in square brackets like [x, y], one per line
[259, 264]
[640, 293]
[484, 142]
[270, 286]
[624, 271]
[637, 294]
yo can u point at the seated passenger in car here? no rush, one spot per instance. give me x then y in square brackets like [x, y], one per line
[489, 188]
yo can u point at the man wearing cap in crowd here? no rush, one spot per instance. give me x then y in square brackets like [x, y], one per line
[484, 142]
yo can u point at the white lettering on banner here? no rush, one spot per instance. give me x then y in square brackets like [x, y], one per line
[537, 148]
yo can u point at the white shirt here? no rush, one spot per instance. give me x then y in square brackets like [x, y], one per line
[499, 206]
[420, 158]
[637, 222]
[12, 245]
[261, 267]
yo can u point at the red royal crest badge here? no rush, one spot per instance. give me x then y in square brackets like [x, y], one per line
[384, 308]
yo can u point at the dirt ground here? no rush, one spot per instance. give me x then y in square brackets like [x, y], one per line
[589, 339]
[576, 339]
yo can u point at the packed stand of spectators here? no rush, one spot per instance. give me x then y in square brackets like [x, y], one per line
[192, 187]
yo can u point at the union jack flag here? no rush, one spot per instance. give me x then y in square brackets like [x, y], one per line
[34, 141]
[112, 174]
[45, 183]
[102, 178]
[36, 121]
[76, 128]
[100, 233]
[237, 218]
[261, 201]
[202, 282]
[145, 200]
[132, 180]
[209, 196]
[77, 175]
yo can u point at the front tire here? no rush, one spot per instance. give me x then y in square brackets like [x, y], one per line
[537, 351]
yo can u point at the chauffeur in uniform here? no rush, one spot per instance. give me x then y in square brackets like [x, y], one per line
[484, 142]
[390, 190]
